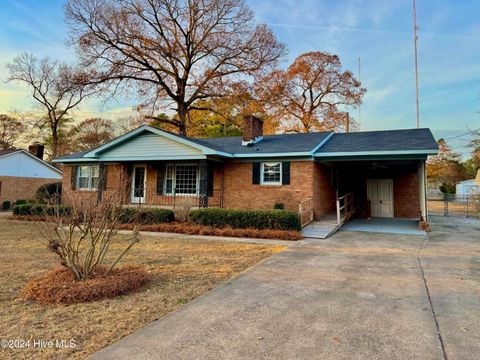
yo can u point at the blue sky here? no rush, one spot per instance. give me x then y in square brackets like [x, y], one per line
[378, 32]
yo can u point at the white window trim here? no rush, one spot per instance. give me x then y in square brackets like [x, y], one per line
[174, 179]
[270, 183]
[90, 178]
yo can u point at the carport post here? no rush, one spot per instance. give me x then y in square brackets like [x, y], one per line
[422, 192]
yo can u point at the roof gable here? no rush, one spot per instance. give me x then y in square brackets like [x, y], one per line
[21, 163]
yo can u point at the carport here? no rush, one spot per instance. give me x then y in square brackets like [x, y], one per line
[380, 179]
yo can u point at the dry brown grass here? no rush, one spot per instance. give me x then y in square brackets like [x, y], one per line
[181, 270]
[196, 229]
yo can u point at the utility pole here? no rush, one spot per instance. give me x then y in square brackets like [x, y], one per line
[359, 106]
[416, 61]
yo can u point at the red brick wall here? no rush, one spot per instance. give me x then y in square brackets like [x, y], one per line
[307, 179]
[406, 195]
[117, 181]
[14, 188]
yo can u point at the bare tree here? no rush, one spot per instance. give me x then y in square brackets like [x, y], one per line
[306, 97]
[57, 88]
[173, 51]
[10, 131]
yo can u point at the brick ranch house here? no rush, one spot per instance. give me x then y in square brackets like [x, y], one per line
[23, 172]
[382, 171]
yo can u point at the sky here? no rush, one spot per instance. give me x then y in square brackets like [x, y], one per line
[378, 32]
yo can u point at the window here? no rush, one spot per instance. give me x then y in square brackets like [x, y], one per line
[271, 173]
[181, 179]
[87, 177]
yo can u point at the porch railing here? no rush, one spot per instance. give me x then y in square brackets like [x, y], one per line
[152, 198]
[345, 208]
[305, 209]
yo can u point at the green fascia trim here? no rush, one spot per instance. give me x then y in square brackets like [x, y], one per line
[74, 160]
[150, 158]
[315, 149]
[371, 157]
[375, 153]
[269, 155]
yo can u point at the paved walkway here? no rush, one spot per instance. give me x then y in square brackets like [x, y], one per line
[352, 296]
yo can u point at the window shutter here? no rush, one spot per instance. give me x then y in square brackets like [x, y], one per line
[210, 178]
[105, 176]
[286, 173]
[160, 178]
[256, 173]
[73, 178]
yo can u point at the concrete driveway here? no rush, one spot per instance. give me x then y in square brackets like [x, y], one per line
[352, 296]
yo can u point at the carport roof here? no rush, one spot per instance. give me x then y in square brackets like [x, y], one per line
[387, 142]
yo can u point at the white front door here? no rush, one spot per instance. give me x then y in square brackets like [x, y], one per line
[139, 178]
[380, 195]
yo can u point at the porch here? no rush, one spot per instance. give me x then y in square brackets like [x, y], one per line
[163, 184]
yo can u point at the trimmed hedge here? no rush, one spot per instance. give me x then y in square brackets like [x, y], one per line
[21, 202]
[6, 205]
[40, 209]
[258, 219]
[146, 216]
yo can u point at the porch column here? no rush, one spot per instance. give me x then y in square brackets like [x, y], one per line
[203, 190]
[422, 192]
[102, 180]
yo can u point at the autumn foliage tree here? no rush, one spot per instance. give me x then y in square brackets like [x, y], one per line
[173, 52]
[91, 133]
[445, 168]
[308, 95]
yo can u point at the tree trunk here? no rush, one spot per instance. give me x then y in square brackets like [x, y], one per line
[182, 116]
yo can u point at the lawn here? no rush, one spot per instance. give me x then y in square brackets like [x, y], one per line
[182, 269]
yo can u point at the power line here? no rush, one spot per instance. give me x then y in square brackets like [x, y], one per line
[467, 133]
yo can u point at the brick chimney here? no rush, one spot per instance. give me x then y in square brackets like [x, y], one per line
[36, 150]
[252, 130]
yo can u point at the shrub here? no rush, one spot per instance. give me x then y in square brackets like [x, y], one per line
[279, 206]
[40, 209]
[22, 209]
[145, 216]
[49, 193]
[258, 219]
[21, 202]
[6, 205]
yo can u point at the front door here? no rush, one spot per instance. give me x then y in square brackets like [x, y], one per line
[138, 184]
[380, 195]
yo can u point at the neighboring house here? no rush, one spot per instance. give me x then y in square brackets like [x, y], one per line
[384, 169]
[23, 172]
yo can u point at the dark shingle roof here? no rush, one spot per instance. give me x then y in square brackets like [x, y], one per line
[8, 151]
[269, 144]
[387, 140]
[72, 156]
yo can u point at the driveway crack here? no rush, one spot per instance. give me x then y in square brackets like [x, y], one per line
[425, 283]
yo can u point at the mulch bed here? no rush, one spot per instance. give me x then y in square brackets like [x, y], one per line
[196, 229]
[60, 285]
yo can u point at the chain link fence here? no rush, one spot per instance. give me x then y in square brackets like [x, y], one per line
[454, 205]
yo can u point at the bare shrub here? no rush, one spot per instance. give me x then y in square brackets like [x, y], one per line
[475, 198]
[183, 205]
[82, 236]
